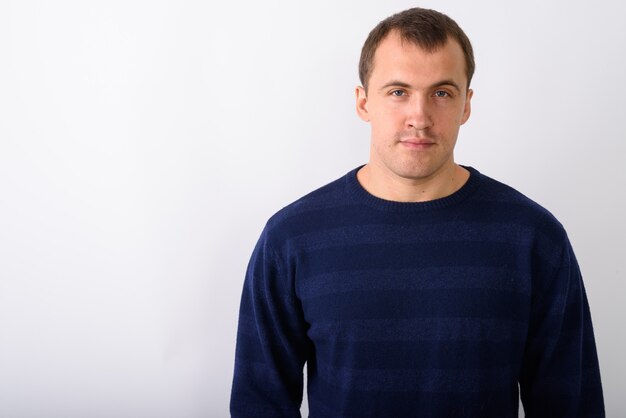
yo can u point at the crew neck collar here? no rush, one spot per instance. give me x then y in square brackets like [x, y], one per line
[355, 188]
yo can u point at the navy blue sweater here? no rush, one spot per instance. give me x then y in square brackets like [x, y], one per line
[430, 309]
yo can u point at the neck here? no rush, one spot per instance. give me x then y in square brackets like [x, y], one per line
[389, 186]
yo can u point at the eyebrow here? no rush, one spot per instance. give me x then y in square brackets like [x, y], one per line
[397, 83]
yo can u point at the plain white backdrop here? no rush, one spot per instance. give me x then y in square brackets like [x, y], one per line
[143, 145]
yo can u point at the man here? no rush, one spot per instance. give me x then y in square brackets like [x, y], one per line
[414, 286]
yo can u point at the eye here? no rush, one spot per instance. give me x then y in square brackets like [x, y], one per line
[441, 93]
[398, 93]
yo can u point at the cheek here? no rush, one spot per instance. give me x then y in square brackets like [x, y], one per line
[465, 112]
[384, 135]
[382, 139]
[450, 119]
[388, 121]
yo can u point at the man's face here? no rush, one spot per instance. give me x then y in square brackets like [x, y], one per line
[416, 102]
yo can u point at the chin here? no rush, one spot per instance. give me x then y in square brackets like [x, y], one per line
[414, 171]
[421, 169]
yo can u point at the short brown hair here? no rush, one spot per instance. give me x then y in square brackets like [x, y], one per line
[426, 28]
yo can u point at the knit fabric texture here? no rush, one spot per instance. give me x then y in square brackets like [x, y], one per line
[446, 308]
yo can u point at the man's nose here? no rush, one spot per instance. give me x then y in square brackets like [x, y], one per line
[419, 113]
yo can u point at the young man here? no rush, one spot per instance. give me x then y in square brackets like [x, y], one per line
[414, 286]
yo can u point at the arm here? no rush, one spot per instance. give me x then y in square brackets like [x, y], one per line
[560, 376]
[272, 345]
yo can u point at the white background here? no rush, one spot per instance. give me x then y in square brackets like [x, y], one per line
[143, 145]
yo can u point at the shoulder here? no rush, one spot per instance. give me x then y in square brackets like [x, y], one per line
[323, 198]
[503, 202]
[309, 211]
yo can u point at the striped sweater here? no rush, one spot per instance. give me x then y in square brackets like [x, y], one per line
[446, 308]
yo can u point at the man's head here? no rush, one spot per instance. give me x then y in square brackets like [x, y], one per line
[416, 67]
[426, 28]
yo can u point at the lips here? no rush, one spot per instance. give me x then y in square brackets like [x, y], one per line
[417, 144]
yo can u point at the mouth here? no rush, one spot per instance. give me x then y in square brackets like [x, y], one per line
[417, 144]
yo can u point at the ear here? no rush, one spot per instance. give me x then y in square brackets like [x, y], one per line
[467, 109]
[361, 104]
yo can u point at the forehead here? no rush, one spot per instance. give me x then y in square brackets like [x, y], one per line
[404, 60]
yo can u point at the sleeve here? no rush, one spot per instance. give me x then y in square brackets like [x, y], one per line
[272, 345]
[560, 376]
